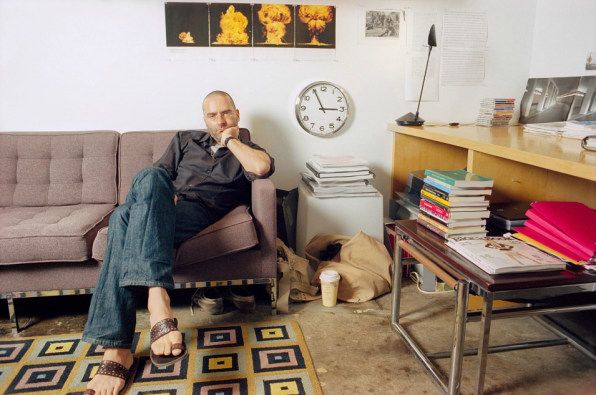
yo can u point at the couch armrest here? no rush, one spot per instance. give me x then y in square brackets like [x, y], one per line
[264, 211]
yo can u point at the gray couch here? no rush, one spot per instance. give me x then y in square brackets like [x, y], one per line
[57, 191]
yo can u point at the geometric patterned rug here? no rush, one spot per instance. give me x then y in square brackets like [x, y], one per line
[232, 359]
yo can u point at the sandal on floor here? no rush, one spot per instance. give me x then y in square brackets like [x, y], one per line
[160, 329]
[114, 369]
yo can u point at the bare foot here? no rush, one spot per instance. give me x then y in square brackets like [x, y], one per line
[103, 384]
[159, 309]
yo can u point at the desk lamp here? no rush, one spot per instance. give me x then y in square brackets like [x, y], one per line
[412, 119]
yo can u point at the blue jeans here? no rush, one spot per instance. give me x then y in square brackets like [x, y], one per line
[142, 235]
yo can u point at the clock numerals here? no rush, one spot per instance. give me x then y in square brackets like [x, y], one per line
[322, 109]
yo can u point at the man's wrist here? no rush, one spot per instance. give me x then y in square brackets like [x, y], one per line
[227, 139]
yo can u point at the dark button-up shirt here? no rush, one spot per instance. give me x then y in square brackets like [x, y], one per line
[217, 179]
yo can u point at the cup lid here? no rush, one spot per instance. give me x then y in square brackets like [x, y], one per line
[329, 275]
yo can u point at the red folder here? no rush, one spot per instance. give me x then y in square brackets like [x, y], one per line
[574, 219]
[574, 254]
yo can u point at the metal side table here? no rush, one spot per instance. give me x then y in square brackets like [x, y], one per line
[430, 250]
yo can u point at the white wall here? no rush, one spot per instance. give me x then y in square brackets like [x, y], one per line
[88, 65]
[564, 33]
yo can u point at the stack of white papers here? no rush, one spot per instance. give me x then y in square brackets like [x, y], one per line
[570, 129]
[338, 176]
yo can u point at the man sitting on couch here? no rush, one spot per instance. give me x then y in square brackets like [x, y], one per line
[202, 176]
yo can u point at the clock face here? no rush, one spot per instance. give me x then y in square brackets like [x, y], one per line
[322, 109]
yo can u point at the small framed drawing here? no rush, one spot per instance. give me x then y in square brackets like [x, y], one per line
[382, 24]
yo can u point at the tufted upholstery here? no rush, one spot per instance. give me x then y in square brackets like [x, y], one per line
[137, 151]
[51, 233]
[56, 169]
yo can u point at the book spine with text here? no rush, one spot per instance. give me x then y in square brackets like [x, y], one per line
[440, 177]
[434, 209]
[434, 198]
[432, 228]
[435, 191]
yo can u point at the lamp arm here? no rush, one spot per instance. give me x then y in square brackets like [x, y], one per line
[430, 48]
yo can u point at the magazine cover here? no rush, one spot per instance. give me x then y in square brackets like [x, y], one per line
[497, 255]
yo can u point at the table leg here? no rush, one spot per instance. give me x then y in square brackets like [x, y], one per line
[459, 334]
[396, 288]
[487, 311]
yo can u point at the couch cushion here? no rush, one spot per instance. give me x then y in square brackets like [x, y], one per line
[234, 232]
[57, 169]
[137, 151]
[49, 234]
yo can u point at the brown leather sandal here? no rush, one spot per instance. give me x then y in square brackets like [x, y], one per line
[160, 329]
[114, 369]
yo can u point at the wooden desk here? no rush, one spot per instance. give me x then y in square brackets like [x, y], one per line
[430, 250]
[525, 166]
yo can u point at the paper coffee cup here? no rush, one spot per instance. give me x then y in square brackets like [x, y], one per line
[329, 285]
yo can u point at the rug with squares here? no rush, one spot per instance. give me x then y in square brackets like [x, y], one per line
[232, 359]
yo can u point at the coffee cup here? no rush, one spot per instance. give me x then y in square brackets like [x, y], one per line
[329, 285]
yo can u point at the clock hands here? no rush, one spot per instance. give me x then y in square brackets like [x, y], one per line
[319, 100]
[327, 108]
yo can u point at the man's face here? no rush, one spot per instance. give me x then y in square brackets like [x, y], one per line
[219, 114]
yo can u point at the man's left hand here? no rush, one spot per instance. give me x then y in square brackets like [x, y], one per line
[233, 131]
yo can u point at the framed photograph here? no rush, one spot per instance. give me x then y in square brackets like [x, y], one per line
[273, 25]
[382, 24]
[187, 25]
[315, 26]
[559, 99]
[230, 24]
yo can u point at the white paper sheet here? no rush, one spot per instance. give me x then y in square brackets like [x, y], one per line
[418, 24]
[462, 67]
[464, 29]
[415, 64]
[463, 53]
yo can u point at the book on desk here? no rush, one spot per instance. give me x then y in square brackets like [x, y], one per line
[497, 255]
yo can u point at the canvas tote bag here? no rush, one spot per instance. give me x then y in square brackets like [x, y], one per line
[363, 263]
[296, 277]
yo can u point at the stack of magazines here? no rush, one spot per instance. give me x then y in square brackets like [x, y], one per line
[338, 176]
[454, 203]
[497, 255]
[570, 129]
[495, 112]
[564, 229]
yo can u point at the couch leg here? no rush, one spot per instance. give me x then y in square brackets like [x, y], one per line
[272, 288]
[12, 316]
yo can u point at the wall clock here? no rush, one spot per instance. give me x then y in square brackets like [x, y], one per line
[322, 109]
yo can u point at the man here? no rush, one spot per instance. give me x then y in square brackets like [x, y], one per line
[201, 177]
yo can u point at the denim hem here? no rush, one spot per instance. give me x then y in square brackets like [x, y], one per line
[107, 343]
[129, 283]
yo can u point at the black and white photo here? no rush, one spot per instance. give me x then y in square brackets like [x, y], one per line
[382, 24]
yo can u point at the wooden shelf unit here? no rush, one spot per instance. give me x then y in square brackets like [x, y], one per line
[524, 166]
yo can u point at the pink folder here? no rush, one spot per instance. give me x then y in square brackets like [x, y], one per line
[545, 228]
[574, 219]
[574, 254]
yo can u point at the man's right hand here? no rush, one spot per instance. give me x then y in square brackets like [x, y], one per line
[175, 199]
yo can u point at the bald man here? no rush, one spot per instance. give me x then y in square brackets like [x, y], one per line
[203, 175]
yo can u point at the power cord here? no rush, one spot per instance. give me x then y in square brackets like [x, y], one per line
[414, 276]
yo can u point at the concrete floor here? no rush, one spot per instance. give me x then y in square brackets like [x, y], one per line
[355, 350]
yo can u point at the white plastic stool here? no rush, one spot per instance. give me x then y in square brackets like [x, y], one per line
[342, 215]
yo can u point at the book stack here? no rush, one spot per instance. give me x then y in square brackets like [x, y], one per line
[454, 203]
[495, 112]
[564, 229]
[338, 176]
